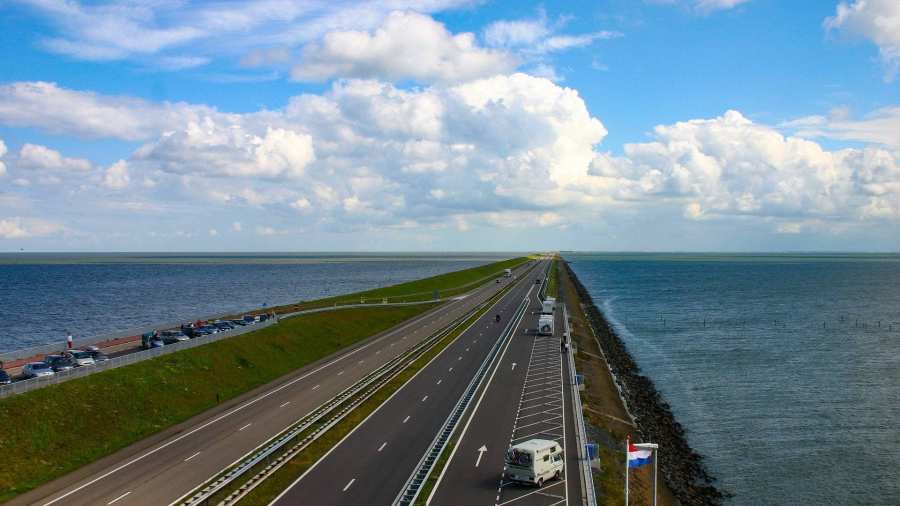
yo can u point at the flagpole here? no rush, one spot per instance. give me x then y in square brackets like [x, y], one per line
[627, 441]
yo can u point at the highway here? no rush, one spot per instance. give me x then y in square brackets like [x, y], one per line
[164, 467]
[529, 397]
[372, 464]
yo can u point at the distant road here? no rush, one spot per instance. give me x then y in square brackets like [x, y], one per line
[372, 464]
[166, 466]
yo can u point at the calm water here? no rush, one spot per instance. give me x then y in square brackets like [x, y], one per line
[791, 389]
[43, 295]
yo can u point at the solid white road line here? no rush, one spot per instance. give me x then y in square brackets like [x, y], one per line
[348, 484]
[192, 456]
[382, 446]
[406, 419]
[245, 426]
[283, 404]
[117, 498]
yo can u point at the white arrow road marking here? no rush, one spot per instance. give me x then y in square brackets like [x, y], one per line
[480, 453]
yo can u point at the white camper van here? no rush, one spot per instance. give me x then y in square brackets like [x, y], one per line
[535, 461]
[545, 325]
[548, 305]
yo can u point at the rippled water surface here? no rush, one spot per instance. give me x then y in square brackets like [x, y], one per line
[43, 295]
[785, 369]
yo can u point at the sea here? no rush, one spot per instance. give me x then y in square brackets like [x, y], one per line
[42, 296]
[784, 368]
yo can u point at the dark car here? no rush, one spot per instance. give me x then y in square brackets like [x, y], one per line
[249, 320]
[4, 378]
[173, 336]
[222, 326]
[59, 363]
[208, 329]
[98, 355]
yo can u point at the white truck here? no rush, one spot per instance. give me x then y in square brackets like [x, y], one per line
[507, 273]
[535, 461]
[545, 325]
[548, 305]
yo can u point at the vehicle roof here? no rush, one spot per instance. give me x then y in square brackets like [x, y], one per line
[37, 363]
[534, 445]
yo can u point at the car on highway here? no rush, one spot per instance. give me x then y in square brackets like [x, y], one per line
[59, 363]
[81, 357]
[4, 378]
[37, 370]
[535, 462]
[173, 336]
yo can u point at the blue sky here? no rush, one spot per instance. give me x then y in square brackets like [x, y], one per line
[450, 124]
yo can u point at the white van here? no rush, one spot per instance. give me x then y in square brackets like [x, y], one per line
[535, 461]
[545, 325]
[548, 305]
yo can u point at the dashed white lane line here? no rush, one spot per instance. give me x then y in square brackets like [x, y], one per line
[192, 456]
[283, 404]
[117, 498]
[382, 446]
[348, 484]
[245, 426]
[316, 387]
[377, 352]
[342, 372]
[439, 381]
[360, 362]
[460, 357]
[424, 398]
[406, 419]
[451, 369]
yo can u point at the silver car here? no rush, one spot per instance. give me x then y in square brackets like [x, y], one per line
[81, 358]
[37, 370]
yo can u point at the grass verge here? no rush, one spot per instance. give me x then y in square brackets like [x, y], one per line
[287, 474]
[54, 430]
[553, 280]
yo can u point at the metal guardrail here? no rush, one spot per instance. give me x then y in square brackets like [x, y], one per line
[413, 486]
[22, 386]
[368, 385]
[587, 477]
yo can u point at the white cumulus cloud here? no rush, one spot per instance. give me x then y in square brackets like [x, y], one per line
[41, 158]
[22, 228]
[117, 176]
[2, 154]
[407, 46]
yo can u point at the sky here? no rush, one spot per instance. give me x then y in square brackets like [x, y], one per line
[448, 125]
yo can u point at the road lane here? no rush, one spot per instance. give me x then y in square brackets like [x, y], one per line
[154, 471]
[404, 422]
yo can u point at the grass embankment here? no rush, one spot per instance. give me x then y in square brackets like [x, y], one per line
[604, 412]
[446, 285]
[51, 431]
[553, 279]
[287, 474]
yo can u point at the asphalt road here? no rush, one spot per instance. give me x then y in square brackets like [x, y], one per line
[164, 467]
[372, 464]
[528, 397]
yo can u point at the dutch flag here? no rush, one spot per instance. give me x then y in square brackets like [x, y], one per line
[637, 457]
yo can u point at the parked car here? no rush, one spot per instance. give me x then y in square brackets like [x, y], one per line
[151, 340]
[97, 355]
[59, 363]
[81, 357]
[209, 329]
[173, 336]
[4, 378]
[238, 322]
[223, 326]
[37, 370]
[249, 319]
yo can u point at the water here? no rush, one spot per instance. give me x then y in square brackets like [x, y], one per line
[790, 389]
[43, 295]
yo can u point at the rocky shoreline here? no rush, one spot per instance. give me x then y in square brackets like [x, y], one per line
[679, 465]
